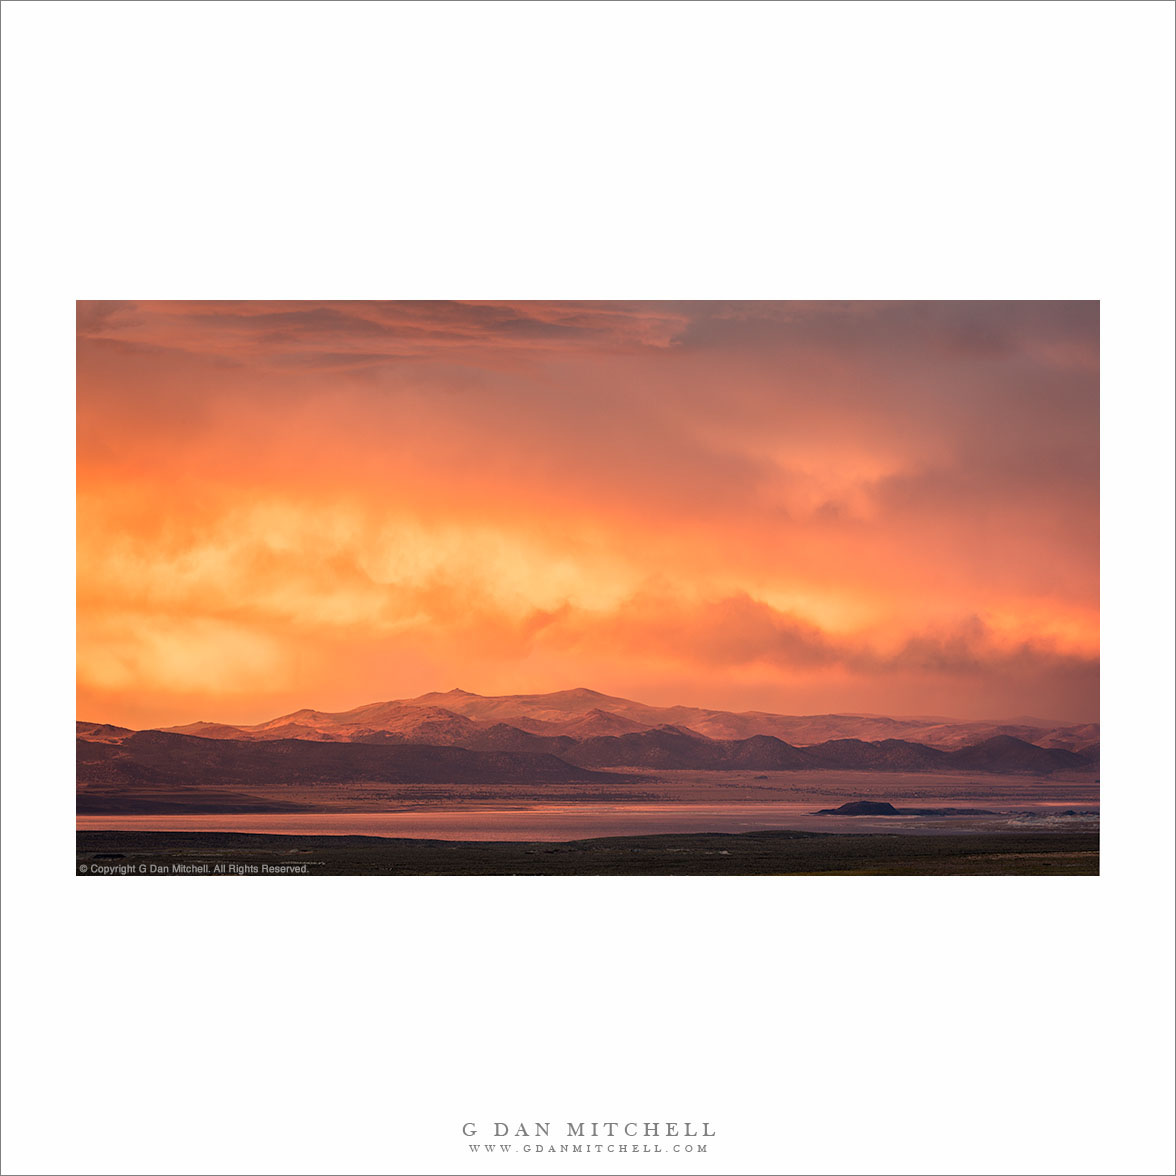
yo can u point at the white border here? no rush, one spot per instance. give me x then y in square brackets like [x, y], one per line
[589, 150]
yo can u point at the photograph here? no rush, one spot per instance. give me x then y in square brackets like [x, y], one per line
[587, 587]
[661, 517]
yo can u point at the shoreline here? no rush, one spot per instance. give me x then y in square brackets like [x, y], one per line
[763, 852]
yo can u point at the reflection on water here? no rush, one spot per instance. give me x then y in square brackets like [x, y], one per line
[564, 822]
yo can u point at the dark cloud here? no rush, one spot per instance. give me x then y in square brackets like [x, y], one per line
[973, 329]
[95, 317]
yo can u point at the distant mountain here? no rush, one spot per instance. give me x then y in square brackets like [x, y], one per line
[677, 747]
[893, 755]
[158, 771]
[600, 722]
[503, 737]
[153, 771]
[102, 732]
[1004, 753]
[422, 724]
[213, 731]
[673, 747]
[163, 757]
[459, 718]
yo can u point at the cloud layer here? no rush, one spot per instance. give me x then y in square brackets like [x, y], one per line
[805, 507]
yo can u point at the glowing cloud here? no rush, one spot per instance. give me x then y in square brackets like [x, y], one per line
[889, 507]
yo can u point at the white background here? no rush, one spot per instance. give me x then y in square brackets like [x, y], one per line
[542, 150]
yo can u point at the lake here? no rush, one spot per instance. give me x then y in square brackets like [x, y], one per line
[570, 822]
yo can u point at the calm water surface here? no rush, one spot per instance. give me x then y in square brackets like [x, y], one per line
[554, 822]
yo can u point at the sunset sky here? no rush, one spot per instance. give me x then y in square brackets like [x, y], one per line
[799, 507]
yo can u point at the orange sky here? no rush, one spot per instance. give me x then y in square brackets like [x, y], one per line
[801, 507]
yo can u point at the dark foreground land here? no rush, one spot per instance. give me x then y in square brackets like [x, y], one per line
[113, 852]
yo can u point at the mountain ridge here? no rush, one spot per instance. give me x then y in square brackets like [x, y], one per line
[581, 713]
[663, 748]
